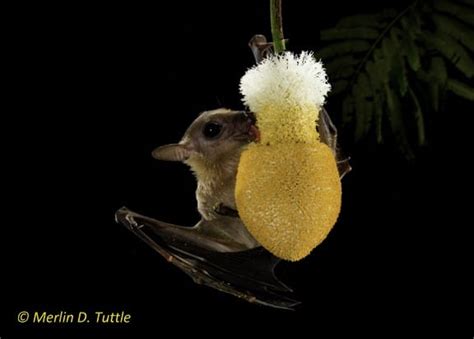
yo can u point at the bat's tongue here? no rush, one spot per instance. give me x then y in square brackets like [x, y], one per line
[254, 133]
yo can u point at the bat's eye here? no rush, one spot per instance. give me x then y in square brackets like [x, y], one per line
[212, 130]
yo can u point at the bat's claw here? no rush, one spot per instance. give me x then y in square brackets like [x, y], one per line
[260, 47]
[126, 217]
[344, 167]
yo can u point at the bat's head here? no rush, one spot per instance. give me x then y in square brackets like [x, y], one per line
[212, 138]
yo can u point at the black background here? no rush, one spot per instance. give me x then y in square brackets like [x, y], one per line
[96, 88]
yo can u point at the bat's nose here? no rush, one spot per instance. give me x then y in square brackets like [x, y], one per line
[251, 129]
[250, 116]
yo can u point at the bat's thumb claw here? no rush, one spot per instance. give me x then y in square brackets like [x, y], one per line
[125, 217]
[121, 214]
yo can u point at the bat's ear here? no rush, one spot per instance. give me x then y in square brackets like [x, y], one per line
[171, 152]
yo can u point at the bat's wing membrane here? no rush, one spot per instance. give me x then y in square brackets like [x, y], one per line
[328, 134]
[247, 274]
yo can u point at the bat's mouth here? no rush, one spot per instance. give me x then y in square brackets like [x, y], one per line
[250, 130]
[254, 133]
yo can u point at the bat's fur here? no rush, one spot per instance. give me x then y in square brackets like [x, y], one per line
[214, 161]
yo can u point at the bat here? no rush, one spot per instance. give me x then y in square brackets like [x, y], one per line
[218, 251]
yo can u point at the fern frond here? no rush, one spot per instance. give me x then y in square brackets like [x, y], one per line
[343, 72]
[396, 122]
[398, 71]
[391, 69]
[451, 50]
[341, 62]
[408, 46]
[362, 93]
[411, 24]
[460, 89]
[377, 85]
[437, 80]
[464, 13]
[378, 115]
[455, 29]
[367, 20]
[438, 70]
[343, 48]
[382, 65]
[410, 52]
[363, 33]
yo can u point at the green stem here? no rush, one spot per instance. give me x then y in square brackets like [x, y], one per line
[277, 26]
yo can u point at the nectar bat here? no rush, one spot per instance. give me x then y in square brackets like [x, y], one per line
[211, 146]
[219, 251]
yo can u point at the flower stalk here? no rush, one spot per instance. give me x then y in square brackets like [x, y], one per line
[276, 23]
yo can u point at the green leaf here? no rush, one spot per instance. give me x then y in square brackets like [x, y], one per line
[409, 48]
[343, 48]
[460, 89]
[390, 69]
[436, 79]
[463, 13]
[343, 73]
[367, 20]
[363, 33]
[419, 119]
[387, 49]
[378, 115]
[395, 62]
[438, 70]
[410, 24]
[452, 51]
[371, 71]
[339, 87]
[375, 77]
[377, 85]
[382, 65]
[396, 122]
[341, 62]
[455, 29]
[413, 16]
[410, 51]
[424, 76]
[398, 64]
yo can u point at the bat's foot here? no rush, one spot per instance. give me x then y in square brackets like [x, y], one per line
[344, 167]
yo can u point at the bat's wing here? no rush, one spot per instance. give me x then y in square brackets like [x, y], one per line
[213, 258]
[328, 134]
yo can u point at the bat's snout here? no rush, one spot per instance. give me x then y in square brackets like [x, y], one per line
[247, 125]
